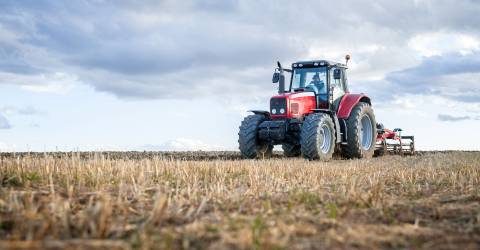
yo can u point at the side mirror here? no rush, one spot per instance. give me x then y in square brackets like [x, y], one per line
[337, 74]
[276, 77]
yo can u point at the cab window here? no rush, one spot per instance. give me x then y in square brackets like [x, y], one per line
[310, 78]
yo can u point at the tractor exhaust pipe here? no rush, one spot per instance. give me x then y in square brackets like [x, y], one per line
[281, 80]
[281, 84]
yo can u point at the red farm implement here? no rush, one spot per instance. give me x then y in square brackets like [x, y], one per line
[392, 142]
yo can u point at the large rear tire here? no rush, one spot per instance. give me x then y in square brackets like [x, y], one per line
[249, 145]
[317, 137]
[290, 150]
[361, 132]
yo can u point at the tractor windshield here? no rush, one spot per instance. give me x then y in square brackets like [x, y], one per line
[310, 78]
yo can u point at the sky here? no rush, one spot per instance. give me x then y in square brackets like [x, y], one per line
[181, 75]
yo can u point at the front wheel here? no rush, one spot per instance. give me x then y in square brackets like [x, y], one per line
[249, 145]
[317, 137]
[361, 132]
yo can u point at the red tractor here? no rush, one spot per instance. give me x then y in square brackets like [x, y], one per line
[314, 116]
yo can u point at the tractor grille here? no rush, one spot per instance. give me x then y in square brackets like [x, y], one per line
[276, 104]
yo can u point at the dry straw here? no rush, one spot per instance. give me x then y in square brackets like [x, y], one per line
[108, 201]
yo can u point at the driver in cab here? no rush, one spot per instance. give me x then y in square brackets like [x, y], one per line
[318, 86]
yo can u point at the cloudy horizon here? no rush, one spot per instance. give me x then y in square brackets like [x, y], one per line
[170, 75]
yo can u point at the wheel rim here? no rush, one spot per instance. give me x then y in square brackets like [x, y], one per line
[327, 139]
[366, 132]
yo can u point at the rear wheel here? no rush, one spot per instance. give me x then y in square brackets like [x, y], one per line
[290, 150]
[317, 137]
[361, 132]
[249, 145]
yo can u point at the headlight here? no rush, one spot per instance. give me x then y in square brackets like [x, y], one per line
[282, 111]
[274, 111]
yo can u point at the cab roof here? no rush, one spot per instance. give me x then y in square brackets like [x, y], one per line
[315, 63]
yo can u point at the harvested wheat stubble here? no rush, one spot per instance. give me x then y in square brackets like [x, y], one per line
[115, 201]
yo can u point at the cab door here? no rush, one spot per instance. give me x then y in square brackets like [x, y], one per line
[337, 86]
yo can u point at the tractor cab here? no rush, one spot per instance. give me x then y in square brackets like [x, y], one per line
[326, 79]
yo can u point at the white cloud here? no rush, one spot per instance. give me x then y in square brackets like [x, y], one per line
[405, 103]
[440, 43]
[26, 110]
[58, 83]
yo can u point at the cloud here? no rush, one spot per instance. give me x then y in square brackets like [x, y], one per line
[4, 124]
[439, 43]
[57, 82]
[182, 144]
[171, 49]
[452, 118]
[26, 110]
[452, 76]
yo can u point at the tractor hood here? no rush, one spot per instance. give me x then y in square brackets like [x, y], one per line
[294, 94]
[292, 105]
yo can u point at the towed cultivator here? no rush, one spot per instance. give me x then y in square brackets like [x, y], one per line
[392, 142]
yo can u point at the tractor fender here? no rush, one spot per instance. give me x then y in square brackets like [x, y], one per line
[261, 112]
[348, 102]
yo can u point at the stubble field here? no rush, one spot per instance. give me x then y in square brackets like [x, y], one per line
[214, 200]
